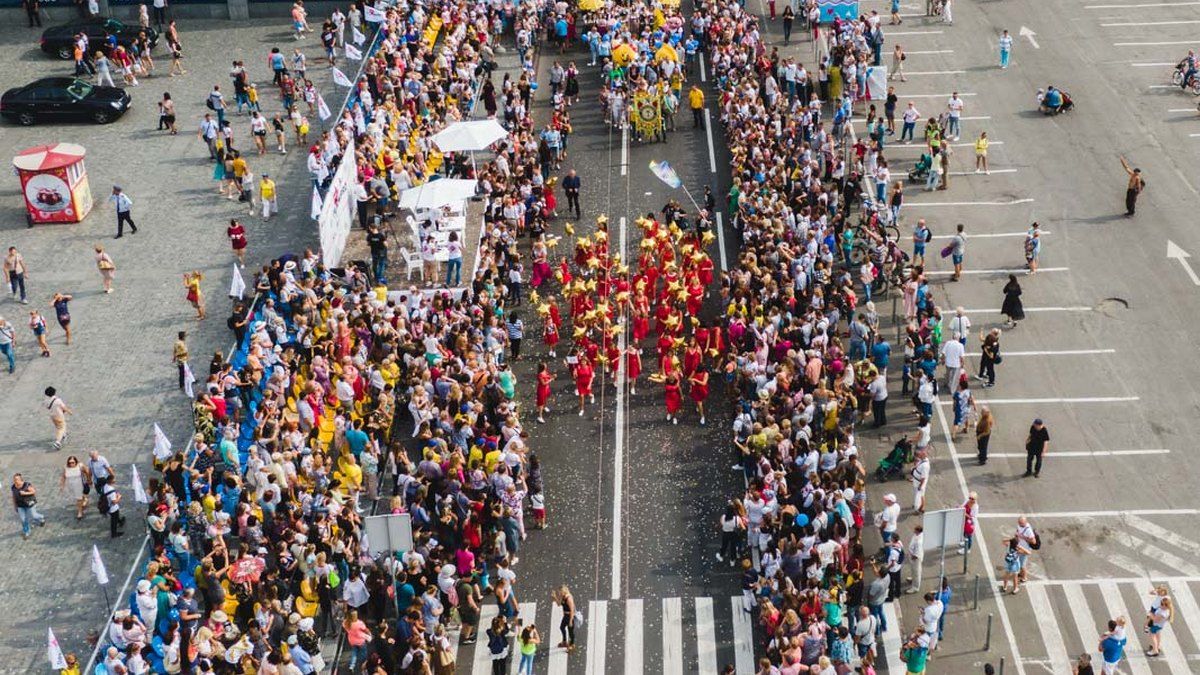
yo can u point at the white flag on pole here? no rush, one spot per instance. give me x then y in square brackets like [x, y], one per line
[317, 204]
[139, 491]
[57, 660]
[322, 109]
[188, 380]
[353, 52]
[98, 567]
[162, 444]
[237, 286]
[372, 15]
[340, 78]
[357, 35]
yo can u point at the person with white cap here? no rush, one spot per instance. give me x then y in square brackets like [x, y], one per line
[887, 519]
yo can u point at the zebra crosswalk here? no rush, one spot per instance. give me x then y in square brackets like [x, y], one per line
[1070, 616]
[698, 635]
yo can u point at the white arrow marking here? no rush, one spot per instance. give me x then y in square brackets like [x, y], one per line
[1026, 33]
[1173, 251]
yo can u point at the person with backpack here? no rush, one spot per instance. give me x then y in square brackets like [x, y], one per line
[498, 647]
[922, 235]
[110, 503]
[894, 558]
[1014, 564]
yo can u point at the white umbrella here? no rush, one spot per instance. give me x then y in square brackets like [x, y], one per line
[437, 193]
[469, 136]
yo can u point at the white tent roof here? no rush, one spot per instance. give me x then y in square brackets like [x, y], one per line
[469, 136]
[437, 193]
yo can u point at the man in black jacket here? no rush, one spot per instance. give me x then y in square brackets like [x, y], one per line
[571, 187]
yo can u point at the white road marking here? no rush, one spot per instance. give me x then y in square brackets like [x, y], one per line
[1141, 5]
[1160, 578]
[619, 455]
[703, 72]
[1178, 110]
[1059, 352]
[928, 51]
[1155, 553]
[892, 638]
[706, 637]
[712, 155]
[946, 96]
[1153, 44]
[1194, 135]
[481, 664]
[913, 32]
[1086, 399]
[597, 641]
[1185, 607]
[721, 240]
[634, 637]
[935, 72]
[1035, 309]
[1051, 635]
[1014, 202]
[625, 150]
[1084, 623]
[981, 174]
[1126, 24]
[1093, 514]
[1152, 65]
[945, 273]
[558, 655]
[1065, 455]
[1116, 607]
[921, 147]
[527, 613]
[992, 235]
[1163, 86]
[122, 598]
[672, 636]
[743, 638]
[981, 544]
[1159, 532]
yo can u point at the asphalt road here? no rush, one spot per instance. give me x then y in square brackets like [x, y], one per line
[1115, 502]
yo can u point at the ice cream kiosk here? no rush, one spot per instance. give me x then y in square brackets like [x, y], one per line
[54, 182]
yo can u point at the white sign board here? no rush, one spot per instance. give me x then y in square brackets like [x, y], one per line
[943, 528]
[338, 209]
[387, 533]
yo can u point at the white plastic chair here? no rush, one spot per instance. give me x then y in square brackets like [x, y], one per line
[412, 263]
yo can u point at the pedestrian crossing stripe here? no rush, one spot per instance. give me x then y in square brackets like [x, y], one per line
[595, 656]
[1068, 623]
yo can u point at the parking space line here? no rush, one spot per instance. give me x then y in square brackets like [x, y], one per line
[992, 235]
[1086, 399]
[1058, 455]
[942, 273]
[1153, 44]
[1013, 202]
[1078, 308]
[1054, 352]
[946, 96]
[1127, 24]
[1190, 3]
[1092, 514]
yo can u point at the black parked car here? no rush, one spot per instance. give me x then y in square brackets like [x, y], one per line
[53, 99]
[60, 40]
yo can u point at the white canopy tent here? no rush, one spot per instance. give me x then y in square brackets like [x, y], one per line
[437, 193]
[469, 136]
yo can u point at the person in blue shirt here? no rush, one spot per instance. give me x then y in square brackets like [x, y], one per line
[357, 439]
[944, 597]
[881, 353]
[1112, 644]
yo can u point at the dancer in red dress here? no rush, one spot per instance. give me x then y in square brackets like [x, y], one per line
[584, 374]
[633, 367]
[550, 335]
[544, 376]
[674, 399]
[699, 390]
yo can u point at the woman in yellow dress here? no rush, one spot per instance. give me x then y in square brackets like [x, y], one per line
[191, 281]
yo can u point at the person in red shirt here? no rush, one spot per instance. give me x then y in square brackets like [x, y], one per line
[633, 367]
[584, 374]
[237, 238]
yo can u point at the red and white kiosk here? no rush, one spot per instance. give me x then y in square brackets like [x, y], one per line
[54, 182]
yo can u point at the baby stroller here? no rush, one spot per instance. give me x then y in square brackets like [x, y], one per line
[921, 170]
[892, 465]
